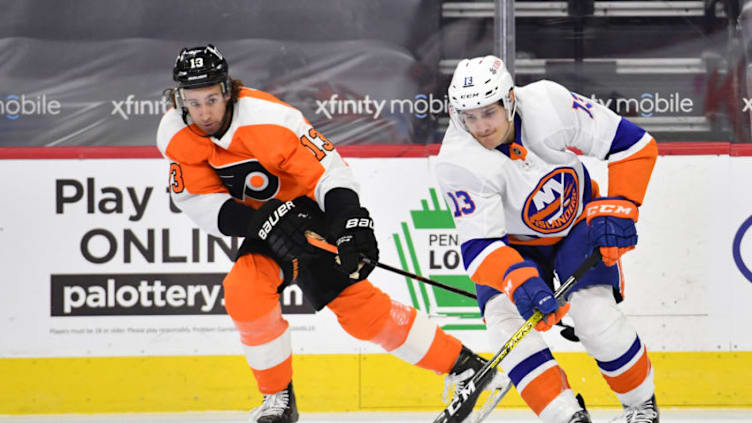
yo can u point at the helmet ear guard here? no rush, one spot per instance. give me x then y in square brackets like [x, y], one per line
[478, 82]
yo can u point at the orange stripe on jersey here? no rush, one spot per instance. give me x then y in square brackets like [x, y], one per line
[621, 280]
[596, 189]
[275, 379]
[629, 177]
[494, 266]
[545, 388]
[443, 353]
[549, 240]
[631, 378]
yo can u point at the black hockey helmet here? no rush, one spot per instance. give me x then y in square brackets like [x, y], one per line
[201, 67]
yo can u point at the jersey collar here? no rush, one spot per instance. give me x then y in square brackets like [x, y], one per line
[504, 148]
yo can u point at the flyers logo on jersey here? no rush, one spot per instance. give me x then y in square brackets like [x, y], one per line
[553, 204]
[248, 180]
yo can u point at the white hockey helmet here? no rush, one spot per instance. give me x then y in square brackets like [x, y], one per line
[481, 81]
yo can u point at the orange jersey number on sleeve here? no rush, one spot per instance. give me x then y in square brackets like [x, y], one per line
[309, 143]
[176, 178]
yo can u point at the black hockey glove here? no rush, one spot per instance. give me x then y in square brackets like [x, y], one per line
[283, 226]
[353, 234]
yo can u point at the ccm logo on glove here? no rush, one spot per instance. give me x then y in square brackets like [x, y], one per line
[355, 222]
[273, 219]
[617, 208]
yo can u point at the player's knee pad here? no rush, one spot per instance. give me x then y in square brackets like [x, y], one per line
[503, 320]
[600, 324]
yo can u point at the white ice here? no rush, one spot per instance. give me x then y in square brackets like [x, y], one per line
[668, 415]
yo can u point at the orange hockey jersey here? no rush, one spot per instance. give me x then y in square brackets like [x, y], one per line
[269, 151]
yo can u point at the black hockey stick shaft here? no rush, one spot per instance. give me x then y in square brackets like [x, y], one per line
[526, 327]
[318, 241]
[419, 278]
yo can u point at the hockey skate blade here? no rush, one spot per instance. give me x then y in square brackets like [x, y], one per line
[499, 388]
[254, 415]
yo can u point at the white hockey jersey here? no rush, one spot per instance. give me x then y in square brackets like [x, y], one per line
[533, 190]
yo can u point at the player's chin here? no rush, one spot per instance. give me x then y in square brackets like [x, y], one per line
[490, 141]
[210, 128]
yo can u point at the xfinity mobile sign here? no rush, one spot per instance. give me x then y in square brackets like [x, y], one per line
[648, 104]
[421, 105]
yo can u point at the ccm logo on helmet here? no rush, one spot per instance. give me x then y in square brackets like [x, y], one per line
[273, 219]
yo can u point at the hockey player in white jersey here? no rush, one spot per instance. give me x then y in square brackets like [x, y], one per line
[525, 207]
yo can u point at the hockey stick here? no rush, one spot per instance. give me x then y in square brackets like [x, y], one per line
[560, 294]
[318, 241]
[502, 386]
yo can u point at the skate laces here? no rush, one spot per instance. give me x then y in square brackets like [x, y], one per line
[459, 379]
[274, 404]
[642, 413]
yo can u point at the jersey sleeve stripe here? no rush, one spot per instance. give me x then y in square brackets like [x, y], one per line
[475, 251]
[491, 267]
[627, 134]
[629, 176]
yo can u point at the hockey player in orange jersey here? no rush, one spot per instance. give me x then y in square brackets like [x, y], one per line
[526, 208]
[245, 164]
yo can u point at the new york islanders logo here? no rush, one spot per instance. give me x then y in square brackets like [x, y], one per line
[552, 206]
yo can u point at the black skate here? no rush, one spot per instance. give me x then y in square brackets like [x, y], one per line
[467, 364]
[277, 408]
[581, 416]
[647, 412]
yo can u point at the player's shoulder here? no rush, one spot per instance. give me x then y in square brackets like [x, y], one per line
[260, 96]
[541, 91]
[170, 124]
[462, 159]
[176, 141]
[545, 108]
[256, 107]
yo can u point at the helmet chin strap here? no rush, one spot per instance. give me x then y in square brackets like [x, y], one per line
[504, 139]
[510, 119]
